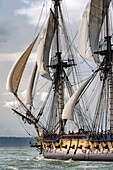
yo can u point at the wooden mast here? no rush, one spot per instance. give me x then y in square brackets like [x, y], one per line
[107, 18]
[57, 23]
[59, 82]
[109, 66]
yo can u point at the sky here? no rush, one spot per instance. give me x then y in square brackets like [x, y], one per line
[18, 20]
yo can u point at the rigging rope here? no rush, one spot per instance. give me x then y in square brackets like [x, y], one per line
[23, 125]
[40, 16]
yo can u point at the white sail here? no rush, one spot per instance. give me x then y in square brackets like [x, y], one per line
[89, 32]
[70, 105]
[16, 72]
[44, 48]
[28, 98]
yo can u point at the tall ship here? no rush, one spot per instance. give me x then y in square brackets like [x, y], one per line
[68, 97]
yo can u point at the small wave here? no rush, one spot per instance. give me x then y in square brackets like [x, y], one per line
[38, 158]
[89, 167]
[12, 168]
[68, 161]
[28, 159]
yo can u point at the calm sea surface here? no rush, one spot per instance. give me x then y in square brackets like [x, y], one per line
[26, 158]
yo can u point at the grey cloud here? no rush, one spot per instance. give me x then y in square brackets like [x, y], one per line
[13, 34]
[4, 34]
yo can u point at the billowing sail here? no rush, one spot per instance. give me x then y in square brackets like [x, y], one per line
[16, 72]
[28, 98]
[70, 105]
[44, 48]
[88, 36]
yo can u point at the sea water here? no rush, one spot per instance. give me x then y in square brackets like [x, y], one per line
[26, 158]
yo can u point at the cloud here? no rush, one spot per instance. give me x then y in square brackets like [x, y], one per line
[32, 12]
[13, 57]
[25, 2]
[75, 11]
[10, 104]
[4, 34]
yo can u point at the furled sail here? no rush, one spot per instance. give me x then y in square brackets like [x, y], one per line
[28, 98]
[70, 105]
[44, 47]
[89, 32]
[17, 70]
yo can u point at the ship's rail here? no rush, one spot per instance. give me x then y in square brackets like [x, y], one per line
[75, 136]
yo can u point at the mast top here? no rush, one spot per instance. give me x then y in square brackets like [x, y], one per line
[56, 1]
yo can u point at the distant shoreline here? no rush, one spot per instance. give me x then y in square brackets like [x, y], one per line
[15, 141]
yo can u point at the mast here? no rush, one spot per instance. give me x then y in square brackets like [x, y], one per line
[59, 78]
[109, 67]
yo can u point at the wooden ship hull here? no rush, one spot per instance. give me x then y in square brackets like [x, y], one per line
[78, 149]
